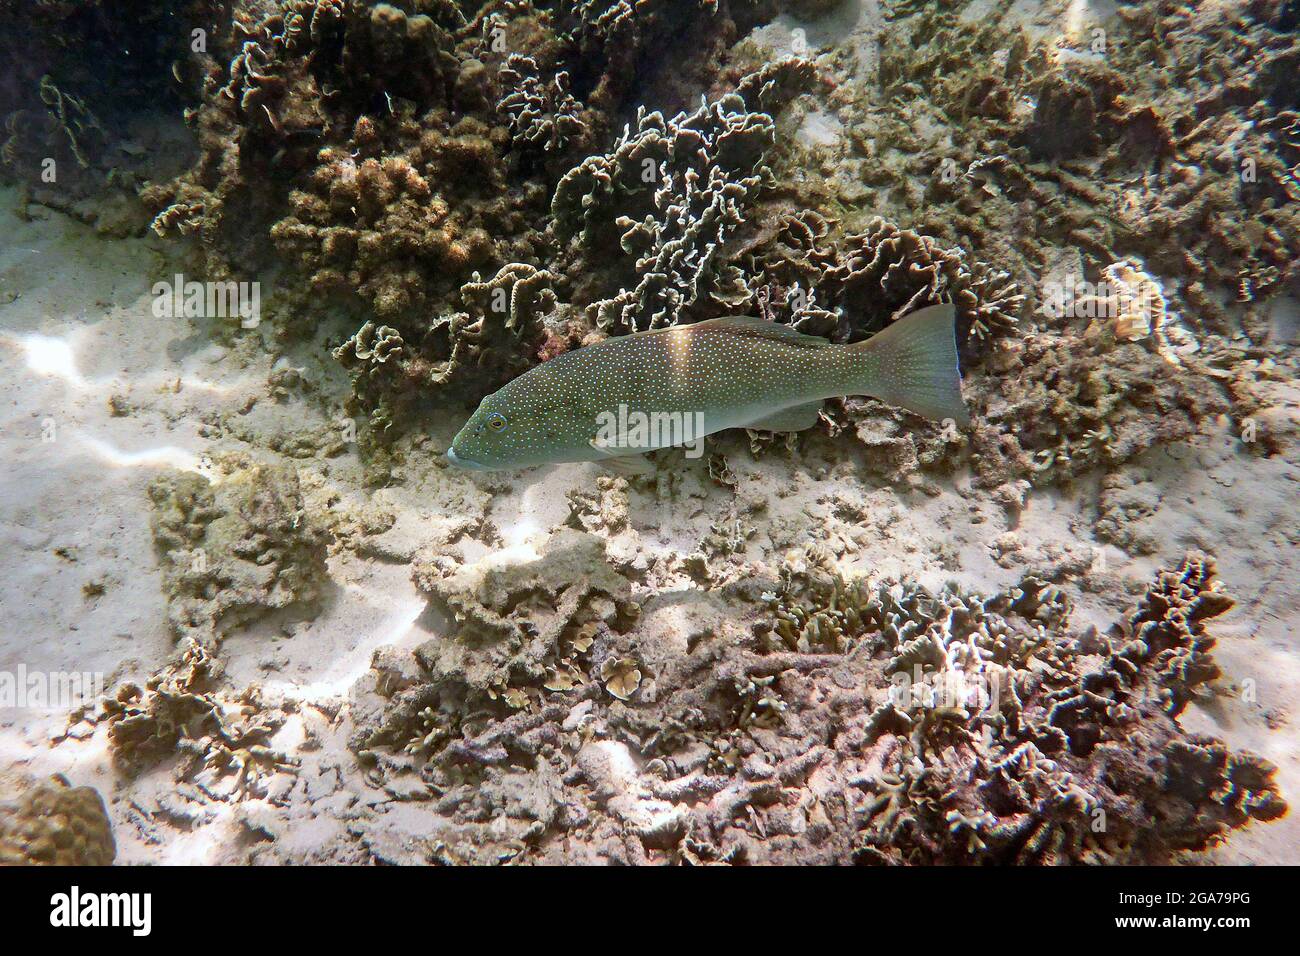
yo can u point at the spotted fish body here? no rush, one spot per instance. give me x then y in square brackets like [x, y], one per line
[724, 373]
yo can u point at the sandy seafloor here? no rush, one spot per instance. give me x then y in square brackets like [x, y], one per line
[77, 330]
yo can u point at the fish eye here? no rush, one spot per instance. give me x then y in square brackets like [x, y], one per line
[496, 421]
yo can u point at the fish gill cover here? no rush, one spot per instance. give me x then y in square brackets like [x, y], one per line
[867, 641]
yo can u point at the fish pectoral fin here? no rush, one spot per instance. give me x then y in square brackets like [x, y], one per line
[794, 419]
[624, 464]
[628, 465]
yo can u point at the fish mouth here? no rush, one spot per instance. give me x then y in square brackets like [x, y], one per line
[462, 462]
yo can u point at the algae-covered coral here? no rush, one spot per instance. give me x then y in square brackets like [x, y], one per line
[236, 551]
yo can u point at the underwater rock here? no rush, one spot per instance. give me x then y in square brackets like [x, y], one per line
[235, 550]
[53, 824]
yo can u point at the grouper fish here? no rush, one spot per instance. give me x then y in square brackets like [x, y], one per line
[616, 400]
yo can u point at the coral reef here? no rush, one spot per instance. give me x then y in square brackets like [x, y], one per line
[747, 658]
[375, 225]
[390, 152]
[543, 116]
[672, 193]
[460, 355]
[53, 823]
[1111, 156]
[862, 722]
[849, 289]
[235, 550]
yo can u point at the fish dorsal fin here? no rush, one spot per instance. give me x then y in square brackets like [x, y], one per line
[751, 327]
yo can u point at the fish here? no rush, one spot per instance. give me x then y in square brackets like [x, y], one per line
[616, 400]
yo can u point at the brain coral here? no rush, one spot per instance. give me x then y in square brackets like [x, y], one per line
[53, 823]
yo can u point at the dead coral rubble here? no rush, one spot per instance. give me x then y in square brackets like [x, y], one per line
[852, 723]
[1063, 403]
[521, 621]
[184, 710]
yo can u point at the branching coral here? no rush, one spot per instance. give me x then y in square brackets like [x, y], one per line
[672, 192]
[695, 173]
[853, 288]
[543, 116]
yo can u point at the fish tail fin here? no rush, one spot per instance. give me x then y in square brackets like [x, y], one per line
[913, 363]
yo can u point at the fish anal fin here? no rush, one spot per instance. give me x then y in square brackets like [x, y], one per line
[793, 419]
